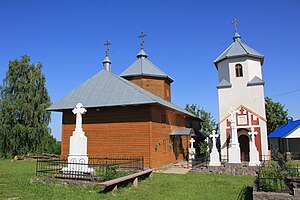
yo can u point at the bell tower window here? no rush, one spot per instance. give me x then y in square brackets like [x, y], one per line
[238, 70]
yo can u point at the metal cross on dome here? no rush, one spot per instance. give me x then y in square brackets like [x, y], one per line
[142, 36]
[107, 44]
[234, 22]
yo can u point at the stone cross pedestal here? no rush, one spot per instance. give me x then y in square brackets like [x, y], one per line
[192, 150]
[214, 155]
[78, 159]
[234, 154]
[254, 156]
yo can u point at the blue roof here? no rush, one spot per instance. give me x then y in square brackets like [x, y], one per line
[285, 129]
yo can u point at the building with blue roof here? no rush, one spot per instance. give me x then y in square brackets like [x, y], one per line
[286, 138]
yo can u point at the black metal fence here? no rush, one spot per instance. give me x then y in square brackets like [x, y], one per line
[201, 161]
[276, 180]
[97, 169]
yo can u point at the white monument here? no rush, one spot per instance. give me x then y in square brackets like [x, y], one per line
[254, 157]
[192, 150]
[234, 146]
[214, 155]
[78, 159]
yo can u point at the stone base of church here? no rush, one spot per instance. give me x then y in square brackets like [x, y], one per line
[230, 169]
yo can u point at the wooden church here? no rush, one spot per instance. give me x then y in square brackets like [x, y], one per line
[130, 114]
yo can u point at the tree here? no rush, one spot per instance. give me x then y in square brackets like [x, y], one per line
[276, 114]
[208, 124]
[23, 116]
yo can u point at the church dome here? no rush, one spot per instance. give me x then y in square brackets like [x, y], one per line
[144, 67]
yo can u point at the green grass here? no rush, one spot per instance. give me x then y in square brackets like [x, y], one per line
[15, 182]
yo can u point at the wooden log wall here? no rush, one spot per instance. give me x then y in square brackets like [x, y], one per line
[158, 86]
[129, 131]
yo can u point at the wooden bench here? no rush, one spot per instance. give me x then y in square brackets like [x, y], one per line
[112, 185]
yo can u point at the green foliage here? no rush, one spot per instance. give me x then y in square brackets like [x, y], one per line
[52, 146]
[271, 177]
[203, 148]
[271, 170]
[276, 114]
[15, 183]
[208, 124]
[23, 116]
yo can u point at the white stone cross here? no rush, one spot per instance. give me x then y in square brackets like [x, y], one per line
[214, 137]
[232, 115]
[78, 111]
[192, 142]
[252, 134]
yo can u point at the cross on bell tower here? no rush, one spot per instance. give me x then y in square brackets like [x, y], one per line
[234, 22]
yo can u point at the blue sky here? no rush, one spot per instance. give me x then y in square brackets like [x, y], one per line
[183, 39]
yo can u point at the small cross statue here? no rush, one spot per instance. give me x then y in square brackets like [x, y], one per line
[142, 36]
[107, 44]
[78, 111]
[192, 142]
[253, 134]
[232, 115]
[214, 137]
[234, 22]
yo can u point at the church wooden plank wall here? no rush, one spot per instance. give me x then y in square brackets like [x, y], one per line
[162, 144]
[129, 131]
[113, 131]
[113, 139]
[159, 87]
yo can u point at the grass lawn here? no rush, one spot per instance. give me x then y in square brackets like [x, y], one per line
[15, 182]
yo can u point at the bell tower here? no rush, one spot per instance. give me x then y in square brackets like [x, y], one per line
[241, 90]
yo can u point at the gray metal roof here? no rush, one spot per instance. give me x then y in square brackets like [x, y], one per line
[238, 49]
[143, 67]
[107, 89]
[224, 84]
[255, 81]
[183, 131]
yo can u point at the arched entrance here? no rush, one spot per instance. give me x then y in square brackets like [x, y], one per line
[244, 147]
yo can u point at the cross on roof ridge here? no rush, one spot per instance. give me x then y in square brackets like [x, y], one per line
[142, 36]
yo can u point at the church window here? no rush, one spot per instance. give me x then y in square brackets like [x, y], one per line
[238, 70]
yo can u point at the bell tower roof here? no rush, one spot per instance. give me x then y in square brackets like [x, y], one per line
[238, 49]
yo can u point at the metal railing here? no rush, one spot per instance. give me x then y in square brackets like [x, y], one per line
[201, 161]
[270, 180]
[97, 169]
[276, 180]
